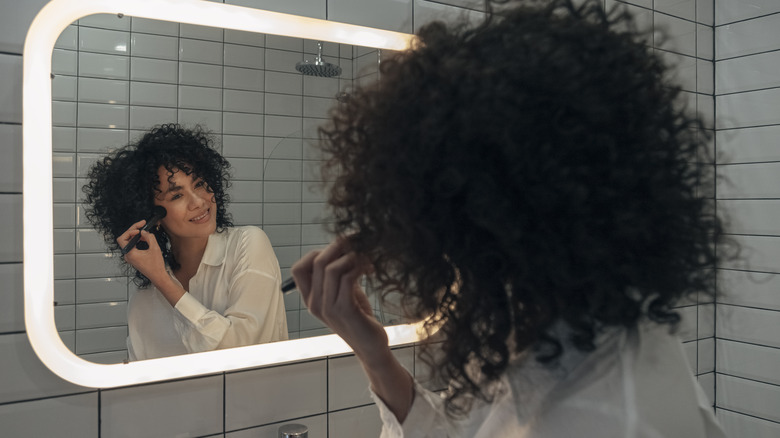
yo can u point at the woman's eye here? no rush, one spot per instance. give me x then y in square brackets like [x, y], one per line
[175, 197]
[200, 183]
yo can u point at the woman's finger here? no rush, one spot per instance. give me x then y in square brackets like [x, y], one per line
[334, 274]
[132, 231]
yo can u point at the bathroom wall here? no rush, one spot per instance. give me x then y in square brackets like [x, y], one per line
[330, 394]
[747, 86]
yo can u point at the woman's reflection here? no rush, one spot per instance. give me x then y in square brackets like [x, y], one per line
[203, 284]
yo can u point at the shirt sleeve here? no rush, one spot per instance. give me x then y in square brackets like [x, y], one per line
[255, 312]
[426, 417]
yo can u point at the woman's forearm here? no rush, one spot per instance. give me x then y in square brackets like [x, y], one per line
[390, 381]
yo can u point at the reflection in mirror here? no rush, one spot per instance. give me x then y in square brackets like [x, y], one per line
[114, 78]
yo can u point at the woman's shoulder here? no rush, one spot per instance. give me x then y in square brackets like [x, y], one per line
[248, 244]
[246, 234]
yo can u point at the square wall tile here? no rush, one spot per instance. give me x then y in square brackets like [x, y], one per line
[201, 32]
[96, 340]
[103, 91]
[748, 361]
[747, 37]
[748, 73]
[677, 35]
[349, 384]
[244, 79]
[103, 41]
[11, 218]
[99, 65]
[748, 145]
[70, 416]
[243, 101]
[190, 407]
[11, 88]
[155, 27]
[11, 164]
[154, 46]
[11, 298]
[748, 181]
[205, 98]
[242, 146]
[144, 117]
[748, 397]
[755, 326]
[24, 376]
[94, 115]
[98, 290]
[154, 70]
[272, 395]
[203, 75]
[679, 8]
[152, 94]
[245, 38]
[106, 21]
[395, 16]
[737, 425]
[243, 123]
[208, 52]
[362, 421]
[751, 216]
[244, 56]
[758, 253]
[64, 62]
[209, 120]
[750, 289]
[705, 356]
[738, 10]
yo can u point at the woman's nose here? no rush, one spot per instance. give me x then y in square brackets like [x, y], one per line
[195, 201]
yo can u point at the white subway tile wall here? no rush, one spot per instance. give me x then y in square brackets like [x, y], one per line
[747, 317]
[131, 73]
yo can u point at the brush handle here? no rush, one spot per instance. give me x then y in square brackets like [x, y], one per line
[288, 285]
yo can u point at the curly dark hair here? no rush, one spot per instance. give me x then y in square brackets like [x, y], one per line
[122, 185]
[532, 169]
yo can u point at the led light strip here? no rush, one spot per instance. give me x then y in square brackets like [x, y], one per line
[37, 189]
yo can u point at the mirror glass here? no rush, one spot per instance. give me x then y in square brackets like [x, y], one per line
[115, 77]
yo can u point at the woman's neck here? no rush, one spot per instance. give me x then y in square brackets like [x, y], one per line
[188, 253]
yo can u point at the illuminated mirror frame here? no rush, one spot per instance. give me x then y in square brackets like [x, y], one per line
[37, 188]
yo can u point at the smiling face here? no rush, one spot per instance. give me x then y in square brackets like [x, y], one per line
[192, 209]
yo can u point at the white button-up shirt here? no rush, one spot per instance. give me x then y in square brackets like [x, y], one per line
[636, 384]
[234, 300]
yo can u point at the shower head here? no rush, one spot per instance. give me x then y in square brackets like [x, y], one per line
[318, 67]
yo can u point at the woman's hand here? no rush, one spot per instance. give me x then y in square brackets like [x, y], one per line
[149, 261]
[328, 282]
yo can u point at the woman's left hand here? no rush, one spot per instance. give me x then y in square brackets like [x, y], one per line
[148, 261]
[328, 282]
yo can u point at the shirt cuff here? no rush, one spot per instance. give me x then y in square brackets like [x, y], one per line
[420, 420]
[191, 308]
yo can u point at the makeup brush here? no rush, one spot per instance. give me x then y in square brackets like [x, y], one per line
[158, 212]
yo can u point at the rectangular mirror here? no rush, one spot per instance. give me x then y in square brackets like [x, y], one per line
[116, 71]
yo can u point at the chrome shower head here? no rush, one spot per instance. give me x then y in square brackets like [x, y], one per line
[318, 67]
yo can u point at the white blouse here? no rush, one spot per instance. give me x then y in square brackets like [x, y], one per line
[636, 384]
[234, 300]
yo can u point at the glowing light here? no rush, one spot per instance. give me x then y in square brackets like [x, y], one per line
[37, 180]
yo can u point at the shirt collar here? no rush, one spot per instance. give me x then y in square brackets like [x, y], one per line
[216, 248]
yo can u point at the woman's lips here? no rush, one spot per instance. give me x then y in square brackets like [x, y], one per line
[202, 218]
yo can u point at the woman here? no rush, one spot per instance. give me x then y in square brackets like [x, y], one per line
[530, 187]
[203, 284]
